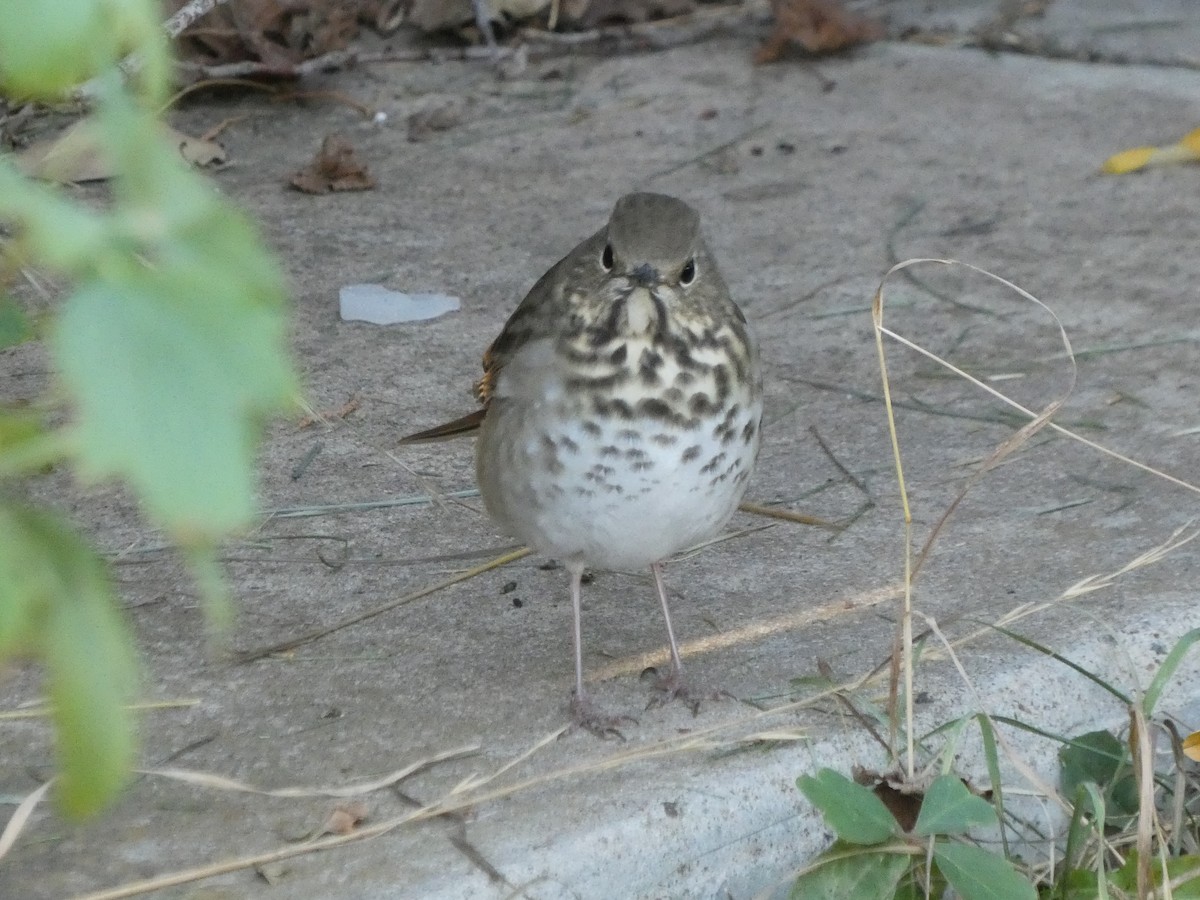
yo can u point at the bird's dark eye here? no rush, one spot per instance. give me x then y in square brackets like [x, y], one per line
[606, 258]
[688, 273]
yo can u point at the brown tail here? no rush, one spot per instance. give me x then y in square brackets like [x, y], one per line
[463, 425]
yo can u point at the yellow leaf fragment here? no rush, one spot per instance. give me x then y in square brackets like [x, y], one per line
[1191, 746]
[1187, 150]
[1128, 161]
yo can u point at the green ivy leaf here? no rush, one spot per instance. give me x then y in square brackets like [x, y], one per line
[1095, 756]
[977, 874]
[862, 876]
[853, 811]
[950, 808]
[55, 598]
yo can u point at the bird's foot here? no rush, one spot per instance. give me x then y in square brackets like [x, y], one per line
[673, 686]
[585, 715]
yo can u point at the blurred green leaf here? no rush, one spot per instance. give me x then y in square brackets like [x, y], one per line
[55, 598]
[979, 875]
[14, 327]
[202, 360]
[851, 810]
[950, 808]
[48, 48]
[25, 444]
[866, 875]
[1125, 878]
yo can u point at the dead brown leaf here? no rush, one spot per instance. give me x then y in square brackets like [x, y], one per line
[336, 167]
[819, 26]
[345, 818]
[276, 33]
[75, 155]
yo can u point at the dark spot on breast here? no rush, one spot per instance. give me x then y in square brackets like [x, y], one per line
[615, 408]
[739, 366]
[748, 432]
[713, 464]
[654, 408]
[567, 444]
[550, 459]
[591, 428]
[702, 405]
[635, 453]
[605, 332]
[685, 379]
[617, 357]
[630, 435]
[721, 377]
[691, 453]
[664, 440]
[642, 466]
[648, 366]
[610, 450]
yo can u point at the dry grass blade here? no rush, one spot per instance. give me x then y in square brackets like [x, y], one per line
[20, 817]
[1005, 449]
[1141, 748]
[220, 782]
[317, 633]
[42, 710]
[1037, 421]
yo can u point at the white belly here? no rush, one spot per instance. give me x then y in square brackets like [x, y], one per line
[611, 493]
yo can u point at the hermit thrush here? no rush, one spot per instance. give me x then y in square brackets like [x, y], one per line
[621, 408]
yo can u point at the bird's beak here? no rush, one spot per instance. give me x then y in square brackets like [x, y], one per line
[645, 276]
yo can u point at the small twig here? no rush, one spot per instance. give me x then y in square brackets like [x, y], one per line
[775, 512]
[188, 14]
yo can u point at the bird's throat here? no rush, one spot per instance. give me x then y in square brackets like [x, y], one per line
[641, 313]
